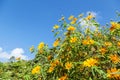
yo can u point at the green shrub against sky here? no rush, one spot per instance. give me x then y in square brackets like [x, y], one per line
[78, 53]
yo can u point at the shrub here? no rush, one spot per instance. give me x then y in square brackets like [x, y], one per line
[83, 50]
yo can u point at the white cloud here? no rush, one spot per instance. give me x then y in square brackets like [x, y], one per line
[17, 52]
[87, 24]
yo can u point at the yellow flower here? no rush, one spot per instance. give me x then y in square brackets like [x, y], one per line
[71, 28]
[114, 25]
[103, 50]
[118, 44]
[56, 61]
[51, 69]
[91, 41]
[90, 62]
[56, 27]
[56, 43]
[71, 17]
[114, 58]
[49, 57]
[68, 65]
[18, 58]
[108, 44]
[63, 77]
[73, 39]
[85, 42]
[36, 70]
[89, 17]
[73, 21]
[53, 64]
[32, 49]
[41, 45]
[112, 73]
[88, 42]
[118, 26]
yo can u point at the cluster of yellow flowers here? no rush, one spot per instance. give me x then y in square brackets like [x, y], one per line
[113, 73]
[88, 42]
[53, 65]
[36, 70]
[74, 21]
[81, 51]
[108, 44]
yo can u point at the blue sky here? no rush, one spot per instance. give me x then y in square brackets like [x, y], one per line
[24, 23]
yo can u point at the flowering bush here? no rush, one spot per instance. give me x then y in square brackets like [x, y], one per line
[81, 52]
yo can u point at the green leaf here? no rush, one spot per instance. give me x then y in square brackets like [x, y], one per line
[90, 78]
[56, 34]
[93, 71]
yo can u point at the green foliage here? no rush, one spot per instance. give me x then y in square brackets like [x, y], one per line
[83, 50]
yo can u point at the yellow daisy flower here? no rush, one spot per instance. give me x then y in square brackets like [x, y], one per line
[49, 57]
[41, 45]
[36, 70]
[114, 58]
[63, 77]
[103, 51]
[114, 25]
[108, 44]
[112, 73]
[71, 17]
[68, 65]
[71, 28]
[90, 62]
[88, 42]
[91, 41]
[51, 69]
[73, 39]
[89, 17]
[56, 27]
[56, 43]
